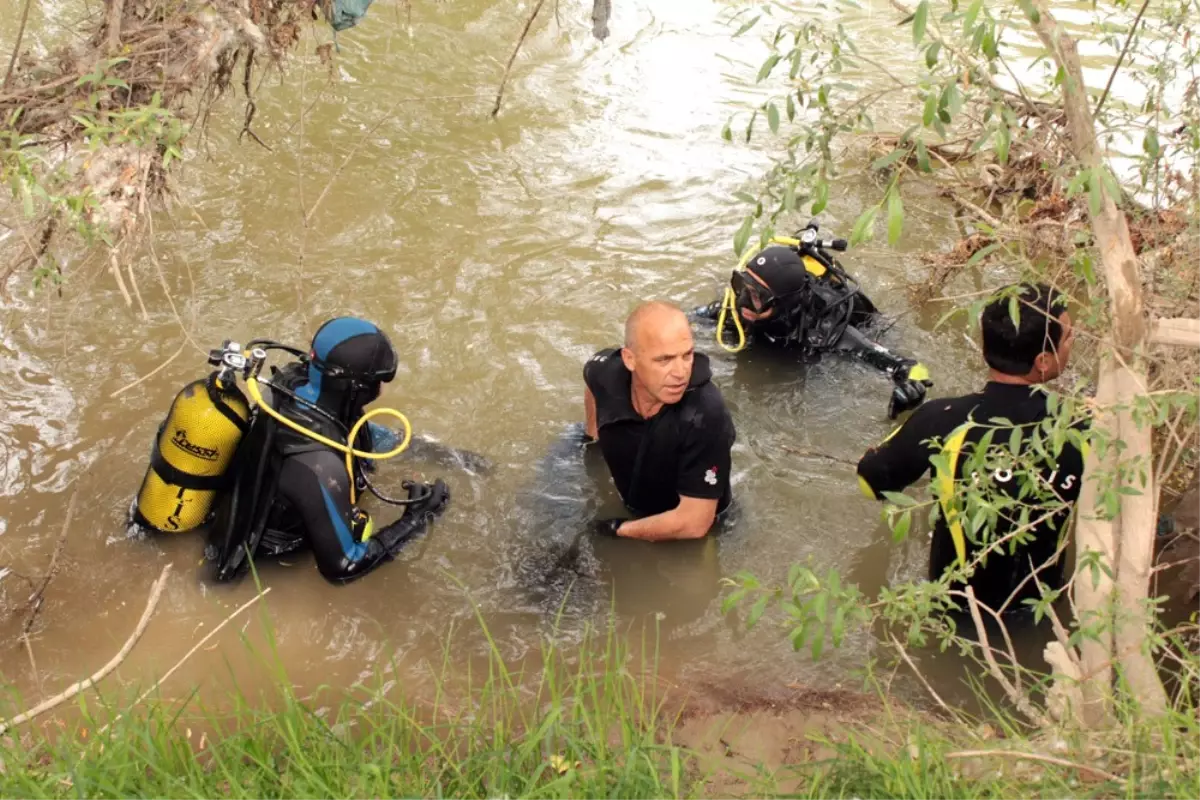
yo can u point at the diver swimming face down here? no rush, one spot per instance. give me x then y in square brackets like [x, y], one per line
[658, 352]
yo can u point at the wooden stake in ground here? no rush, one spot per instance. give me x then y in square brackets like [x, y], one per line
[156, 591]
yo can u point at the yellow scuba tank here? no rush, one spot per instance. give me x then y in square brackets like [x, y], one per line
[194, 448]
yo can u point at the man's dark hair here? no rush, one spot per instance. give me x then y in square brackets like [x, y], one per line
[1010, 348]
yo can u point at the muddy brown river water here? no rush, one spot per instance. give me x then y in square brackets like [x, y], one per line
[498, 255]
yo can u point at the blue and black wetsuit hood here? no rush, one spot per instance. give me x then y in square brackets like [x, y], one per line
[348, 362]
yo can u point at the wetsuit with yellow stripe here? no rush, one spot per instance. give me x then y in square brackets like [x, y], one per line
[954, 425]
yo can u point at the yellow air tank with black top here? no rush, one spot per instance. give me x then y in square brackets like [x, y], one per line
[193, 455]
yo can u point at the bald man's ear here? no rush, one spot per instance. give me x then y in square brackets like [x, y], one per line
[627, 358]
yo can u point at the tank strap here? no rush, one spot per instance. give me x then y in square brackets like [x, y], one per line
[177, 477]
[219, 403]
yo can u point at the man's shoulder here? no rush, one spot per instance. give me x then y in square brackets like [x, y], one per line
[604, 369]
[945, 412]
[704, 406]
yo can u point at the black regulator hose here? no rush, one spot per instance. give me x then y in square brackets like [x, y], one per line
[341, 426]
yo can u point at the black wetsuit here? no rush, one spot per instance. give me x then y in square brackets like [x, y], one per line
[683, 450]
[904, 457]
[303, 498]
[815, 307]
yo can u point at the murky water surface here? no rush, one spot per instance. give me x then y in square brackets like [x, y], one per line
[499, 255]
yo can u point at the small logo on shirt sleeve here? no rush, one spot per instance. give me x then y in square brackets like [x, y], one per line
[710, 477]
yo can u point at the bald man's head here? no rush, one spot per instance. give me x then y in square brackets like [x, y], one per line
[653, 316]
[658, 351]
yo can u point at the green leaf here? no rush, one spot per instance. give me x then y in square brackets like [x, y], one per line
[930, 112]
[789, 197]
[838, 629]
[1003, 141]
[820, 197]
[727, 131]
[1150, 143]
[923, 157]
[819, 603]
[899, 499]
[931, 54]
[919, 19]
[773, 117]
[972, 14]
[889, 159]
[818, 644]
[863, 226]
[26, 198]
[903, 524]
[747, 26]
[746, 197]
[895, 215]
[750, 124]
[791, 108]
[732, 600]
[767, 66]
[742, 236]
[756, 611]
[1014, 311]
[982, 253]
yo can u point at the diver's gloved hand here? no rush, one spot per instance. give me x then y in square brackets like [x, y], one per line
[607, 527]
[433, 499]
[909, 392]
[709, 312]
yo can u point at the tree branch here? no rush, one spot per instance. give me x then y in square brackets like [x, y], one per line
[12, 60]
[156, 591]
[1112, 76]
[513, 57]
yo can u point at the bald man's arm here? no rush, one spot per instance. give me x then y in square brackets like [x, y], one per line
[691, 519]
[589, 414]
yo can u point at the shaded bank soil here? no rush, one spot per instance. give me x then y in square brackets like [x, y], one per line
[742, 738]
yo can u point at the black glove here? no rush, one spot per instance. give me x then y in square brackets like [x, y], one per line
[433, 499]
[909, 392]
[607, 527]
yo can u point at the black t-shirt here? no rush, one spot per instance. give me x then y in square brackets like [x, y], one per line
[687, 444]
[904, 457]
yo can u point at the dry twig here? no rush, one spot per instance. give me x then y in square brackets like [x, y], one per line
[1061, 762]
[156, 591]
[513, 57]
[189, 653]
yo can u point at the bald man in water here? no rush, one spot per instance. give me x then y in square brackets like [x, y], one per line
[662, 426]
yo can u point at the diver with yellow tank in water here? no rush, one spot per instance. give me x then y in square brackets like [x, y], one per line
[794, 294]
[272, 477]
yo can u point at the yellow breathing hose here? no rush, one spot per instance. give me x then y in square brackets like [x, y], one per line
[351, 453]
[729, 305]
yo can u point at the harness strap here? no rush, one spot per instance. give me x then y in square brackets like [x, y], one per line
[177, 477]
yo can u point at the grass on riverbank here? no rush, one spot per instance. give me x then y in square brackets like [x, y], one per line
[593, 724]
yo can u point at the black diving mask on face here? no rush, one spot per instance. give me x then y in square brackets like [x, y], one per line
[359, 379]
[753, 295]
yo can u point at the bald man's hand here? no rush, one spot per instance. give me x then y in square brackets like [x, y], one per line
[691, 519]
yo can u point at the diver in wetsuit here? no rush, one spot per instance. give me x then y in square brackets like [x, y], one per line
[797, 296]
[293, 490]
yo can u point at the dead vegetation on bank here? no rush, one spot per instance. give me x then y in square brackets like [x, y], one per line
[91, 131]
